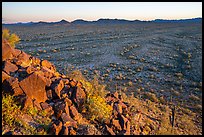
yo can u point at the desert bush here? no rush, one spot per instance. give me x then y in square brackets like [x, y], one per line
[151, 96]
[10, 110]
[97, 108]
[13, 39]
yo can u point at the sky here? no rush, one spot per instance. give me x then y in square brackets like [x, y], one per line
[13, 12]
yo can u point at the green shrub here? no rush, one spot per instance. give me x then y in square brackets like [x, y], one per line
[11, 38]
[97, 108]
[10, 110]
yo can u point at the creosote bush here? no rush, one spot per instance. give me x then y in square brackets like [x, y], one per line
[12, 39]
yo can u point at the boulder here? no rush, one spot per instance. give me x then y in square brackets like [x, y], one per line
[47, 72]
[55, 127]
[45, 106]
[79, 96]
[68, 101]
[36, 104]
[49, 94]
[74, 113]
[9, 67]
[116, 124]
[59, 108]
[49, 65]
[10, 84]
[4, 76]
[24, 60]
[17, 91]
[73, 83]
[118, 108]
[68, 121]
[31, 69]
[57, 86]
[34, 87]
[109, 130]
[6, 51]
[66, 81]
[65, 130]
[87, 129]
[79, 84]
[72, 131]
[35, 61]
[16, 52]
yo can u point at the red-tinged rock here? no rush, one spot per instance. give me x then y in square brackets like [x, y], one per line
[24, 60]
[28, 103]
[116, 124]
[72, 131]
[110, 130]
[127, 132]
[6, 51]
[36, 104]
[10, 83]
[79, 84]
[45, 106]
[66, 81]
[4, 76]
[47, 64]
[57, 86]
[74, 113]
[16, 52]
[17, 91]
[116, 94]
[47, 72]
[9, 67]
[34, 87]
[49, 94]
[56, 127]
[68, 101]
[73, 83]
[118, 108]
[31, 69]
[66, 130]
[123, 120]
[35, 61]
[120, 97]
[79, 96]
[59, 108]
[124, 106]
[68, 121]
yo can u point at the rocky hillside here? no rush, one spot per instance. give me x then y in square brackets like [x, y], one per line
[39, 100]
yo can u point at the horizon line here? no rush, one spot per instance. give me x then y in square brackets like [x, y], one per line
[99, 19]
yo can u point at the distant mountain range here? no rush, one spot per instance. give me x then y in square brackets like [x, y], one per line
[108, 21]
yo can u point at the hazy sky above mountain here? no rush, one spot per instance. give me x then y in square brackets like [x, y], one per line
[54, 11]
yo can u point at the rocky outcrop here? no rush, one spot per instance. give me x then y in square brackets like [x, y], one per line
[61, 97]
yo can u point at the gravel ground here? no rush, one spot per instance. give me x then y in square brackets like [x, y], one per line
[163, 58]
